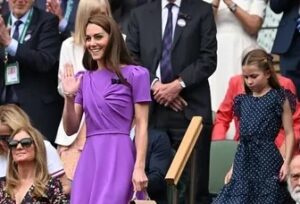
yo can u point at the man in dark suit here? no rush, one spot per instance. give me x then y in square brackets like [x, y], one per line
[179, 70]
[287, 41]
[29, 77]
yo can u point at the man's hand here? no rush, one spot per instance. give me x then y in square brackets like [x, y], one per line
[5, 38]
[168, 94]
[53, 6]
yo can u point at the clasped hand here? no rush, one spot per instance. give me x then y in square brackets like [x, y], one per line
[70, 83]
[168, 95]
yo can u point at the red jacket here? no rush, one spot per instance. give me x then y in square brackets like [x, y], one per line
[224, 114]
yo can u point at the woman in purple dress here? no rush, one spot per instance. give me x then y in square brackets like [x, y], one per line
[111, 93]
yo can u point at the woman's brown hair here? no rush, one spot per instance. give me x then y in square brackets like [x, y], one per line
[260, 58]
[115, 54]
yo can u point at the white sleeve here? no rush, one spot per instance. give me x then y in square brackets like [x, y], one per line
[64, 57]
[54, 163]
[258, 7]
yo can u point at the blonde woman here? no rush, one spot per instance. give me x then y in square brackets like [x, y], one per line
[27, 179]
[13, 118]
[72, 51]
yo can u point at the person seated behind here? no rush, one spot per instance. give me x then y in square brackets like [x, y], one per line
[293, 179]
[13, 118]
[158, 160]
[27, 179]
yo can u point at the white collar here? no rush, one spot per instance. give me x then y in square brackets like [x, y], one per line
[164, 3]
[23, 18]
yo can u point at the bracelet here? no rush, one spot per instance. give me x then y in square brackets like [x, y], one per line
[233, 7]
[215, 6]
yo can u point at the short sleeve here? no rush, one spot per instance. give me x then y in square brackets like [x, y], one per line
[237, 105]
[79, 97]
[54, 163]
[140, 85]
[283, 95]
[258, 7]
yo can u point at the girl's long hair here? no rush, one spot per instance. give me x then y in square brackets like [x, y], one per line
[260, 58]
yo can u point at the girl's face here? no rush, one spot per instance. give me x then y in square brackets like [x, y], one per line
[255, 78]
[22, 147]
[96, 41]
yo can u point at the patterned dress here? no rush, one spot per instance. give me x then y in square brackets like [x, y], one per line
[255, 178]
[54, 194]
[105, 167]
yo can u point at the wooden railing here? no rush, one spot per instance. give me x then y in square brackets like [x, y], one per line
[183, 154]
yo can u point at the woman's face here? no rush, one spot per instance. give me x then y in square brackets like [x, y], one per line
[96, 41]
[22, 147]
[4, 136]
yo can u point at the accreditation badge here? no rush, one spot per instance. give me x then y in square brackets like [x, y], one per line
[12, 74]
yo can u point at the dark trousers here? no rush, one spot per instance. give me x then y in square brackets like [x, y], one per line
[175, 124]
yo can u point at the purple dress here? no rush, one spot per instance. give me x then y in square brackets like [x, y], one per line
[105, 167]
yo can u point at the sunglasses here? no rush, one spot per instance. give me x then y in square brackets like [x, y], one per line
[25, 143]
[4, 138]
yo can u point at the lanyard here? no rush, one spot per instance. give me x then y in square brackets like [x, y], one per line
[22, 36]
[26, 25]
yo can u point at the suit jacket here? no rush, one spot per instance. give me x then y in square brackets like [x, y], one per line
[193, 50]
[287, 26]
[38, 63]
[225, 112]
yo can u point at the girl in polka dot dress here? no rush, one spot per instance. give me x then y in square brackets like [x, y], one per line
[258, 172]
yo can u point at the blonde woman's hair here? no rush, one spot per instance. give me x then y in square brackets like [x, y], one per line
[41, 174]
[86, 9]
[13, 117]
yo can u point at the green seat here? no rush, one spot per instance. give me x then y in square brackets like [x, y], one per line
[221, 158]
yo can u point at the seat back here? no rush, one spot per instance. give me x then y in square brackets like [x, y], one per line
[221, 158]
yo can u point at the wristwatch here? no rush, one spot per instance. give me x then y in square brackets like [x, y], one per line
[182, 84]
[233, 7]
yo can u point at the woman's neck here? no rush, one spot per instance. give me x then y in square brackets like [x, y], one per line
[100, 65]
[26, 170]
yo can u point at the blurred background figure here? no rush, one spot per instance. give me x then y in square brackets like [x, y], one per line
[29, 76]
[287, 41]
[70, 147]
[27, 179]
[238, 23]
[293, 179]
[65, 10]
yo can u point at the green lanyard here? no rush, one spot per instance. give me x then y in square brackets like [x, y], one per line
[22, 36]
[26, 25]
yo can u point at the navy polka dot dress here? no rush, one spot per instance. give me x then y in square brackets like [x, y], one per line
[257, 161]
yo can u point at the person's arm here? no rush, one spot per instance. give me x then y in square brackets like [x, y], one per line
[289, 141]
[72, 112]
[250, 22]
[139, 177]
[159, 159]
[224, 114]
